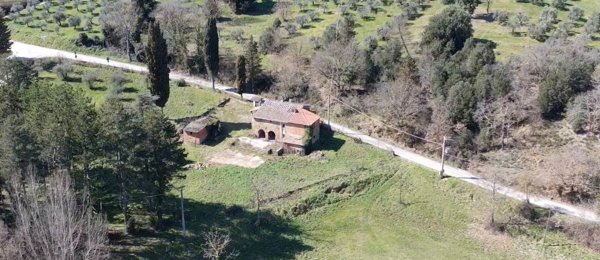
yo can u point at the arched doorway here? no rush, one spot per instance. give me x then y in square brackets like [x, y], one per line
[271, 135]
[261, 133]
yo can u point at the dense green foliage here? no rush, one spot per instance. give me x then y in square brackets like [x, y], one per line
[447, 31]
[4, 37]
[240, 74]
[253, 66]
[158, 65]
[561, 84]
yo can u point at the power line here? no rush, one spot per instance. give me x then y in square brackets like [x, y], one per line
[400, 130]
[385, 124]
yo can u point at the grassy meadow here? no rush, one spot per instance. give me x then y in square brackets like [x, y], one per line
[183, 102]
[356, 202]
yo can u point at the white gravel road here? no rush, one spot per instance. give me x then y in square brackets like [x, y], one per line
[31, 51]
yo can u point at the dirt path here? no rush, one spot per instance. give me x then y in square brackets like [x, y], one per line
[31, 51]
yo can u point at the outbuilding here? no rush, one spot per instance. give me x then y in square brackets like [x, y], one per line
[197, 131]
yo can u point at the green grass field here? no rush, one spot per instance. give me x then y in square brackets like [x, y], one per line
[183, 101]
[385, 209]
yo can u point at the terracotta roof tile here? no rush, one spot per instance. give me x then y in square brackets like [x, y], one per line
[285, 112]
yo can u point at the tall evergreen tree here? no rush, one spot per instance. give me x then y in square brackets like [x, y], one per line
[158, 70]
[240, 74]
[253, 68]
[160, 157]
[120, 131]
[143, 9]
[211, 49]
[4, 37]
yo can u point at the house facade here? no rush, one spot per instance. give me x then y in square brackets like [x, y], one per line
[290, 124]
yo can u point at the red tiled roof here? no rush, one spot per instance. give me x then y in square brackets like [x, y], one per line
[285, 112]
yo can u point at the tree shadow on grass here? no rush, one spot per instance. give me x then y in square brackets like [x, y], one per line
[225, 132]
[276, 238]
[265, 7]
[327, 141]
[130, 90]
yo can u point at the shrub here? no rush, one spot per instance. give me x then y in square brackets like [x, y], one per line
[537, 32]
[74, 21]
[181, 83]
[462, 103]
[302, 21]
[549, 15]
[315, 42]
[313, 15]
[577, 114]
[89, 25]
[58, 16]
[364, 12]
[118, 80]
[15, 8]
[238, 35]
[575, 14]
[269, 42]
[89, 79]
[502, 17]
[276, 23]
[291, 29]
[63, 70]
[558, 4]
[560, 85]
[27, 20]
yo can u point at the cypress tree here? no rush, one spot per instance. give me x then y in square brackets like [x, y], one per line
[4, 38]
[240, 74]
[158, 70]
[211, 49]
[252, 63]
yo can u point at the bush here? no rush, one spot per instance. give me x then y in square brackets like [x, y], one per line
[74, 21]
[240, 6]
[560, 85]
[63, 70]
[577, 115]
[118, 80]
[238, 35]
[302, 21]
[558, 4]
[462, 103]
[291, 29]
[181, 83]
[502, 17]
[276, 23]
[537, 32]
[89, 79]
[269, 42]
[575, 14]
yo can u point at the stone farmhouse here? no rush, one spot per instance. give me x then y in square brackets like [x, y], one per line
[290, 124]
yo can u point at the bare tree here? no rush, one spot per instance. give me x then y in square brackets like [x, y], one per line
[52, 223]
[284, 9]
[571, 174]
[216, 244]
[292, 80]
[120, 16]
[178, 22]
[341, 65]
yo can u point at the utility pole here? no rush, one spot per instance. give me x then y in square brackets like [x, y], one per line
[546, 230]
[182, 212]
[329, 109]
[443, 157]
